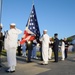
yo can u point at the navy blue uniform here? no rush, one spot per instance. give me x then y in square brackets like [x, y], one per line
[66, 49]
[55, 49]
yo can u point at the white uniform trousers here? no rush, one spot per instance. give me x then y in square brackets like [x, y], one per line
[50, 53]
[63, 54]
[45, 54]
[11, 57]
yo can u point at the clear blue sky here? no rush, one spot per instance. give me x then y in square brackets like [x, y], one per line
[57, 16]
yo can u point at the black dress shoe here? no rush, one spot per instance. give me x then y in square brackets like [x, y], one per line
[29, 61]
[0, 66]
[10, 71]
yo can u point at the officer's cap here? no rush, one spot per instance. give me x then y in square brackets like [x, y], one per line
[55, 34]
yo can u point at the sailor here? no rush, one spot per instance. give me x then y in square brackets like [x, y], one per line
[10, 44]
[55, 47]
[45, 46]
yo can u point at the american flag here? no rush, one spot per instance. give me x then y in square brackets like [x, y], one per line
[32, 28]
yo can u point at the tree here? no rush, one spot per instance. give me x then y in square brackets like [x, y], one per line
[69, 39]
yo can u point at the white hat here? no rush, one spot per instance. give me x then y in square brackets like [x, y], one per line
[13, 24]
[45, 30]
[1, 25]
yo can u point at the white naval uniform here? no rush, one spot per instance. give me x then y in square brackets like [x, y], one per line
[63, 50]
[50, 53]
[45, 46]
[10, 45]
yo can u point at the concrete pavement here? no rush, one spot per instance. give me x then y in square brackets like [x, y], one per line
[66, 67]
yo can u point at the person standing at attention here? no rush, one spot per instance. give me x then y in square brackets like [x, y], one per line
[66, 48]
[19, 47]
[10, 44]
[50, 49]
[63, 49]
[23, 45]
[45, 46]
[34, 55]
[55, 47]
[29, 45]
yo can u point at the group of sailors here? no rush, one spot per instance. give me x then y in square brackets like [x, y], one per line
[47, 46]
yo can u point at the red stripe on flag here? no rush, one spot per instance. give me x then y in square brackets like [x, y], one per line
[27, 37]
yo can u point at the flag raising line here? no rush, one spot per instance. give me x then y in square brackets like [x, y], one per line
[32, 28]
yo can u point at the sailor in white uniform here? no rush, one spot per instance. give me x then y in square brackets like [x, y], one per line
[45, 46]
[10, 44]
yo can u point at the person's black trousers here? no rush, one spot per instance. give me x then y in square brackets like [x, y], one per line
[56, 55]
[29, 55]
[66, 53]
[19, 50]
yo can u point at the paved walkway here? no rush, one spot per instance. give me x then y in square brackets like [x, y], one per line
[66, 67]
